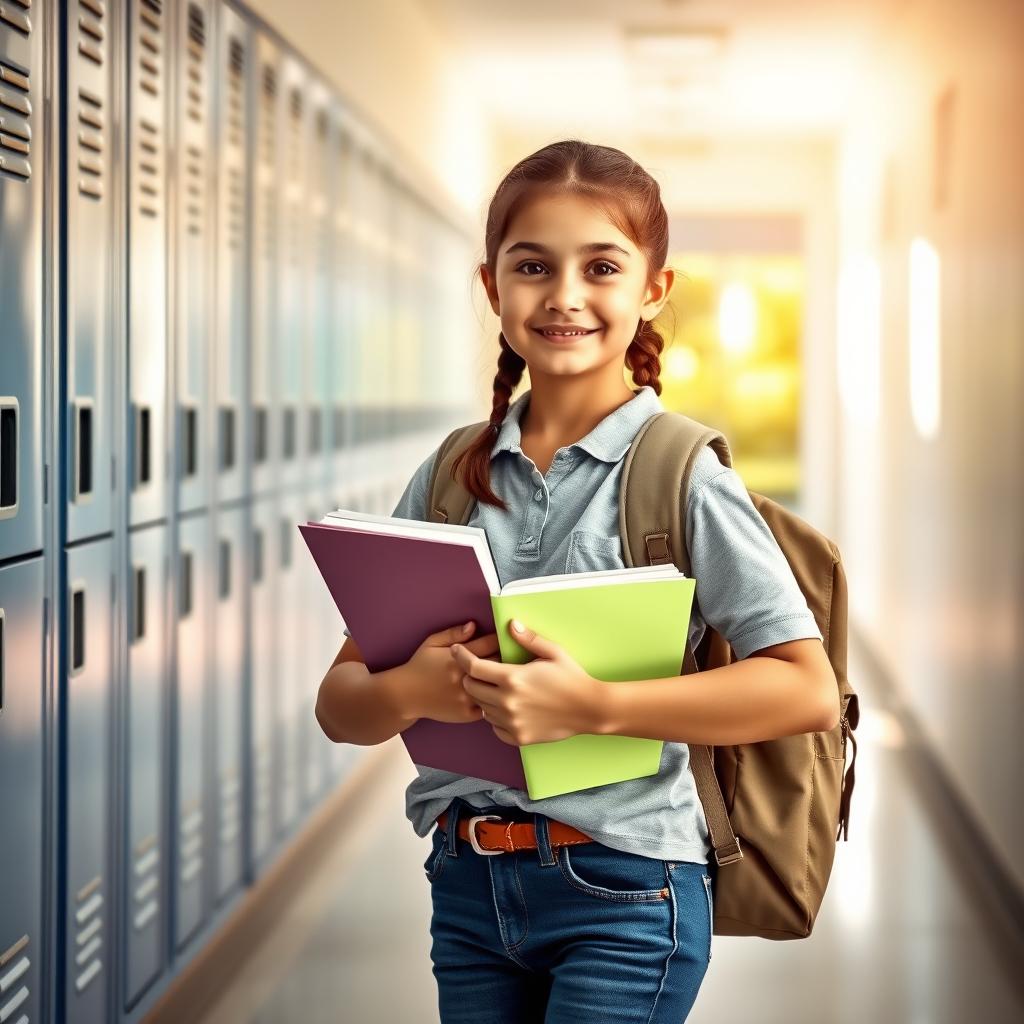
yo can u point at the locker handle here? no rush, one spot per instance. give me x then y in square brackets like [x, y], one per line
[224, 588]
[260, 433]
[141, 446]
[185, 600]
[189, 440]
[77, 627]
[138, 603]
[8, 457]
[83, 427]
[227, 437]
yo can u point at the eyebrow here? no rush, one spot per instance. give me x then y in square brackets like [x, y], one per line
[590, 247]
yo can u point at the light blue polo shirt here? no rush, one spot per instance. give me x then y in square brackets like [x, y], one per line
[567, 520]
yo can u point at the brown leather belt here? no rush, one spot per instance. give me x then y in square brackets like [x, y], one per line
[489, 835]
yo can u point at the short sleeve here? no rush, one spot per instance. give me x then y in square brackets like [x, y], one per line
[745, 588]
[413, 502]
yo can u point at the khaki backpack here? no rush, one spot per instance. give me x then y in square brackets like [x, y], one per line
[773, 807]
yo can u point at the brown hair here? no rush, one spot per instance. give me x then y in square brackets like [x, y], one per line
[632, 200]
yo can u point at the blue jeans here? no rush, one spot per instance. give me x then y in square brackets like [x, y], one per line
[581, 933]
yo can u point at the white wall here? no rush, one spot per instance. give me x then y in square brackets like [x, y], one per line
[930, 529]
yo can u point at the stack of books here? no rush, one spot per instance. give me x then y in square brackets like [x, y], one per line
[395, 581]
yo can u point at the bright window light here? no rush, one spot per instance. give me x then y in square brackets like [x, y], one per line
[737, 318]
[925, 340]
[859, 340]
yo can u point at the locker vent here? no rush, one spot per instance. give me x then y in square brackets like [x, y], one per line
[18, 21]
[236, 199]
[236, 89]
[15, 121]
[88, 929]
[263, 784]
[196, 56]
[90, 144]
[321, 124]
[269, 81]
[191, 843]
[146, 902]
[194, 187]
[149, 175]
[91, 33]
[229, 809]
[150, 18]
[11, 972]
[296, 104]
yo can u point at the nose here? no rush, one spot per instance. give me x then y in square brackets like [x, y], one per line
[565, 293]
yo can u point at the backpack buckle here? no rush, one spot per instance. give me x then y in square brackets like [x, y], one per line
[657, 549]
[732, 855]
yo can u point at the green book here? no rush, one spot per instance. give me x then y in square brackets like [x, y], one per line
[619, 625]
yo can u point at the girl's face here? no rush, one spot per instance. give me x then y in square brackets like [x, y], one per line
[563, 264]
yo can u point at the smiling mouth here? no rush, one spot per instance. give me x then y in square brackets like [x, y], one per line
[562, 338]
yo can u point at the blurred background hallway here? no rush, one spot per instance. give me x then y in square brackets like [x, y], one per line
[238, 247]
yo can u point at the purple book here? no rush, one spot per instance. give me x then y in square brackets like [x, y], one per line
[392, 592]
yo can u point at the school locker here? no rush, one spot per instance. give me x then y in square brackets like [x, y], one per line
[22, 623]
[22, 180]
[146, 260]
[317, 382]
[89, 34]
[144, 850]
[191, 691]
[266, 440]
[291, 346]
[229, 666]
[340, 350]
[293, 631]
[87, 672]
[192, 252]
[264, 756]
[231, 337]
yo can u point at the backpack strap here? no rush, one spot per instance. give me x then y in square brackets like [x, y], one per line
[652, 525]
[447, 500]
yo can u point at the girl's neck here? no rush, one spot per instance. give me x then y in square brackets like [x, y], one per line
[560, 410]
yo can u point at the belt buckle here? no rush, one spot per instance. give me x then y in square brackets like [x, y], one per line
[473, 839]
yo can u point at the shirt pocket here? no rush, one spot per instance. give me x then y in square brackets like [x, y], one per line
[590, 552]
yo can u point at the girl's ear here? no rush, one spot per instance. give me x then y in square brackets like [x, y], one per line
[490, 286]
[658, 293]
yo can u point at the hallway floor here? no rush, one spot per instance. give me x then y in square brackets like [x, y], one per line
[901, 938]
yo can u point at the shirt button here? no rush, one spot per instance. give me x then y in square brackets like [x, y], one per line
[538, 495]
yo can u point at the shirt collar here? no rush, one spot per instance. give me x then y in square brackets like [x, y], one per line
[609, 440]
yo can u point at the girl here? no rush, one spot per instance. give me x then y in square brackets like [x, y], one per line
[592, 905]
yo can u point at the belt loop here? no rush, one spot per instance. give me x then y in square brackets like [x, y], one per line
[453, 826]
[540, 827]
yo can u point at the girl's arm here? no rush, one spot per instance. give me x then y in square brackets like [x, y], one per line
[777, 691]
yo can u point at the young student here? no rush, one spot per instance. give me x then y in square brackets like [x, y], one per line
[600, 907]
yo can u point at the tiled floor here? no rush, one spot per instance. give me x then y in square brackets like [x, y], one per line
[900, 938]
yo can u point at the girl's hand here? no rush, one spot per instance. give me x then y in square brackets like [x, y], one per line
[434, 680]
[549, 698]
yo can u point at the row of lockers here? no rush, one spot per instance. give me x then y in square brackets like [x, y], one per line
[224, 309]
[256, 223]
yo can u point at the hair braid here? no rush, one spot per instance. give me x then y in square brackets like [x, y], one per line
[477, 457]
[642, 356]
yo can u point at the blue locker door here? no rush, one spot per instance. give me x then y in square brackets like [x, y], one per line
[87, 697]
[193, 253]
[291, 636]
[231, 337]
[228, 688]
[317, 382]
[89, 322]
[21, 789]
[291, 345]
[144, 897]
[195, 582]
[21, 190]
[318, 655]
[264, 756]
[266, 439]
[147, 262]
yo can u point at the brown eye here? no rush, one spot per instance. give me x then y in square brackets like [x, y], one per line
[530, 263]
[603, 263]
